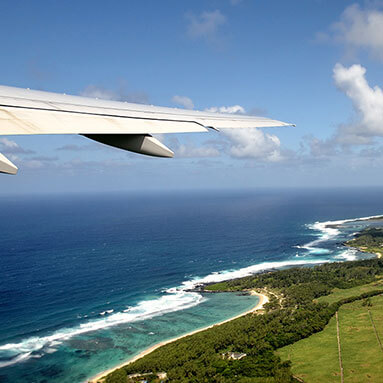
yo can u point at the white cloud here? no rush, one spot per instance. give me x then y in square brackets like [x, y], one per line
[359, 29]
[320, 148]
[249, 143]
[183, 101]
[121, 94]
[206, 25]
[367, 103]
[94, 91]
[189, 151]
[234, 109]
[9, 146]
[192, 149]
[254, 143]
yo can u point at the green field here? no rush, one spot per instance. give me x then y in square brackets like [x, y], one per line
[339, 294]
[315, 359]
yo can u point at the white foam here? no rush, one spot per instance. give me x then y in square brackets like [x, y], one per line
[327, 231]
[244, 272]
[102, 313]
[50, 350]
[348, 255]
[17, 359]
[143, 310]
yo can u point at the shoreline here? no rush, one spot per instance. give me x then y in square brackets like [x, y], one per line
[97, 378]
[363, 250]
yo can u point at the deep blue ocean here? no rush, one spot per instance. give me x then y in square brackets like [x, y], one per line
[87, 281]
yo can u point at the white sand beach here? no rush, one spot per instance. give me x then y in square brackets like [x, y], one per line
[99, 377]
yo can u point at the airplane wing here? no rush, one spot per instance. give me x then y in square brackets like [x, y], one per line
[120, 124]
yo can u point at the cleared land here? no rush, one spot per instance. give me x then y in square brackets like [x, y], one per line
[315, 359]
[339, 294]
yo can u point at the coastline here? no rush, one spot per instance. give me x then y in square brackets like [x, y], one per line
[99, 377]
[362, 249]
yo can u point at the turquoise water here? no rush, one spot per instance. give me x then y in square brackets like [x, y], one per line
[131, 339]
[82, 357]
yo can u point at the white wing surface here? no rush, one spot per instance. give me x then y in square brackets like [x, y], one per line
[120, 124]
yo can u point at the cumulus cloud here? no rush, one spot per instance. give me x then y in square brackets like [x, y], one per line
[206, 25]
[190, 151]
[72, 166]
[320, 148]
[234, 109]
[183, 101]
[367, 104]
[359, 29]
[92, 145]
[11, 147]
[95, 91]
[254, 143]
[249, 143]
[71, 148]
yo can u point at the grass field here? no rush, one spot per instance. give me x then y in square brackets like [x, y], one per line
[339, 294]
[315, 359]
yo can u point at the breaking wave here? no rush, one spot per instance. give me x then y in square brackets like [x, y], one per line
[244, 272]
[329, 230]
[174, 299]
[38, 346]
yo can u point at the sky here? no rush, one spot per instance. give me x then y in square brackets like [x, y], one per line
[315, 63]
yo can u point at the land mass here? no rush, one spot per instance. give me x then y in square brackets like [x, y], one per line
[369, 240]
[302, 303]
[352, 339]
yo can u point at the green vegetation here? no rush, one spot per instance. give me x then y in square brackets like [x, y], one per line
[316, 357]
[369, 240]
[361, 353]
[295, 312]
[339, 294]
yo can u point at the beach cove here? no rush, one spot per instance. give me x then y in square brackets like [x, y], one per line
[99, 378]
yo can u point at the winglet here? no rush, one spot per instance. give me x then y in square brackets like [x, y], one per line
[7, 166]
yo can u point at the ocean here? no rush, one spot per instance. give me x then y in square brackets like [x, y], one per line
[88, 281]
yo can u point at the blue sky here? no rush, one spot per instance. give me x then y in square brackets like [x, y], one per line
[314, 63]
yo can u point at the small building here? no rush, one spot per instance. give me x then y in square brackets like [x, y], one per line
[233, 355]
[160, 375]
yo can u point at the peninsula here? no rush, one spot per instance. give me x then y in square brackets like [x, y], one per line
[368, 240]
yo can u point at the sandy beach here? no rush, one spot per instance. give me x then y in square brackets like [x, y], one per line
[99, 377]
